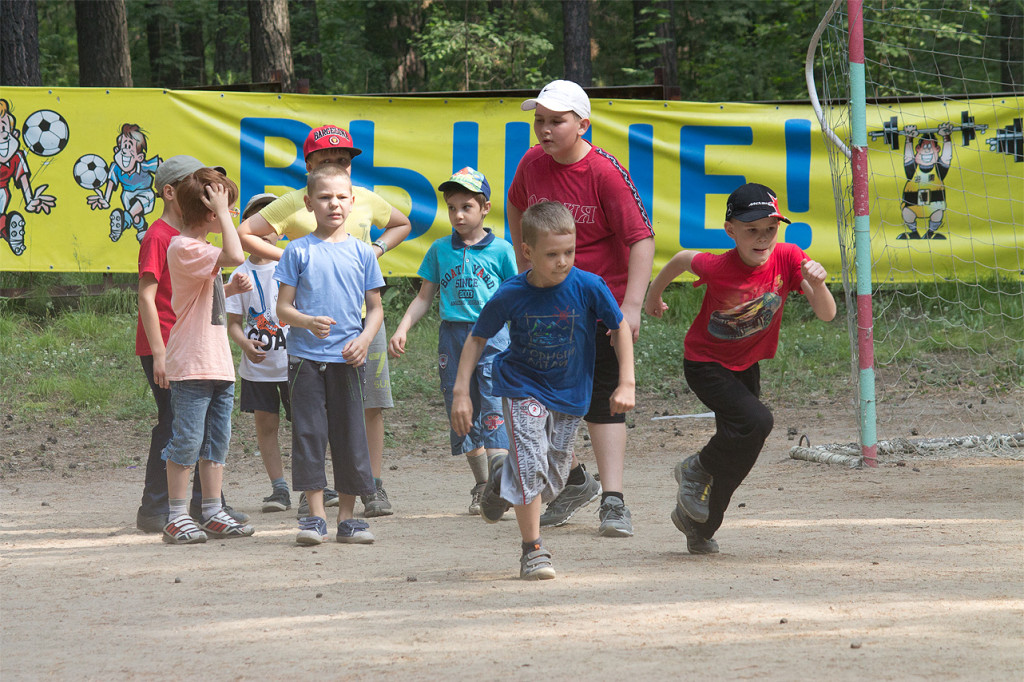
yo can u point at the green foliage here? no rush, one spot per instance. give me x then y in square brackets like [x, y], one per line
[58, 43]
[472, 46]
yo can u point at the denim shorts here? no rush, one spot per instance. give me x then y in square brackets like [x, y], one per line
[201, 427]
[488, 429]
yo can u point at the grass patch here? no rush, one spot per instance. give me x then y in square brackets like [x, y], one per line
[82, 359]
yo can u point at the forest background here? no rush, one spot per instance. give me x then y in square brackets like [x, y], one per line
[700, 50]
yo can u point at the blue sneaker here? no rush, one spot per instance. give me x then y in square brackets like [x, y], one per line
[355, 532]
[312, 531]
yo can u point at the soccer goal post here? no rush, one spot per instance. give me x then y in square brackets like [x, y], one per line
[921, 106]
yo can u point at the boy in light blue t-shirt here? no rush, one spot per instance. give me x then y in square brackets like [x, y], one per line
[467, 268]
[324, 278]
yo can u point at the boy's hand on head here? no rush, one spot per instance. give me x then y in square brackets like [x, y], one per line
[462, 414]
[623, 399]
[253, 350]
[355, 351]
[321, 326]
[396, 346]
[813, 271]
[215, 198]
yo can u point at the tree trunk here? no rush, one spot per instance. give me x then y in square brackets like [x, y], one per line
[306, 43]
[162, 42]
[103, 57]
[271, 42]
[392, 26]
[576, 36]
[19, 58]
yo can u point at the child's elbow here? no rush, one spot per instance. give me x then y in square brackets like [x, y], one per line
[232, 260]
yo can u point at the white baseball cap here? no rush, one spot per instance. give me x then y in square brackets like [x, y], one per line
[561, 96]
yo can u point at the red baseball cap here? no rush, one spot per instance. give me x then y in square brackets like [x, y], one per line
[328, 137]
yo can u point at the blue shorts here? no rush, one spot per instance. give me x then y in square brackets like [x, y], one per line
[488, 429]
[201, 427]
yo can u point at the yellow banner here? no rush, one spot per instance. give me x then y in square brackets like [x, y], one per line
[77, 168]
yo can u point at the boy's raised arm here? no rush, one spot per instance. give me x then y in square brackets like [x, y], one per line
[623, 398]
[418, 307]
[250, 232]
[678, 264]
[462, 405]
[817, 293]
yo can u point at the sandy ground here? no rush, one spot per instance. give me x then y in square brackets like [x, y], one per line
[911, 571]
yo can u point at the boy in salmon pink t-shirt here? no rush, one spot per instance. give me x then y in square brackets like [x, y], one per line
[199, 365]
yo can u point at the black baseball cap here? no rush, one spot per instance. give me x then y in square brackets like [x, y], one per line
[752, 202]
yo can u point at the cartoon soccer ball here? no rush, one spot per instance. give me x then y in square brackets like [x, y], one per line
[45, 133]
[90, 171]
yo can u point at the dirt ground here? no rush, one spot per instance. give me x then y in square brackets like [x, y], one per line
[913, 570]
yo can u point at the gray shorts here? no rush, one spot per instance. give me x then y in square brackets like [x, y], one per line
[542, 444]
[376, 375]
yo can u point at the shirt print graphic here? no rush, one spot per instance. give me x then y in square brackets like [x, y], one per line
[749, 318]
[261, 325]
[551, 339]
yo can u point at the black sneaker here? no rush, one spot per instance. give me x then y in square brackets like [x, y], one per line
[571, 500]
[278, 500]
[493, 506]
[377, 504]
[695, 542]
[150, 523]
[694, 488]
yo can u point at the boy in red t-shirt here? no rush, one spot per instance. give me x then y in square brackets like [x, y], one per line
[156, 317]
[738, 325]
[614, 240]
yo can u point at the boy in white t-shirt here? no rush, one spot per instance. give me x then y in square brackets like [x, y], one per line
[254, 327]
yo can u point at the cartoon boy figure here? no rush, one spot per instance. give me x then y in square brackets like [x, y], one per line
[134, 173]
[924, 195]
[14, 166]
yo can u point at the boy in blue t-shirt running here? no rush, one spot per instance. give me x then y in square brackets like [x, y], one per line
[545, 376]
[467, 268]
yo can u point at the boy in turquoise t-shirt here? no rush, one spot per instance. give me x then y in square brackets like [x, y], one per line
[467, 268]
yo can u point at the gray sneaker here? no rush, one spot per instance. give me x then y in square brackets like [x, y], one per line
[694, 488]
[616, 521]
[695, 542]
[330, 500]
[278, 500]
[492, 505]
[536, 564]
[571, 500]
[377, 504]
[475, 496]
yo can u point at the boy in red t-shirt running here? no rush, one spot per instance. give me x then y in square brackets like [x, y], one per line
[738, 325]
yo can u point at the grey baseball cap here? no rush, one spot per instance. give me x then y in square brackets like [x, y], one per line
[257, 202]
[175, 168]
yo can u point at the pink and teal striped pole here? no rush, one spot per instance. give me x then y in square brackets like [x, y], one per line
[862, 234]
